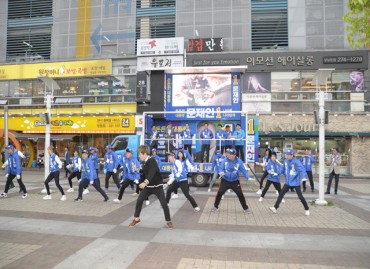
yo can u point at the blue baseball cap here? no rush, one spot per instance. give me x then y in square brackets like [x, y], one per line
[232, 151]
[170, 154]
[180, 146]
[108, 147]
[129, 150]
[9, 147]
[154, 150]
[91, 148]
[218, 151]
[289, 152]
[85, 151]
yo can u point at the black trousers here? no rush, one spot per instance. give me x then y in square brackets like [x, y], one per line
[285, 189]
[65, 168]
[85, 182]
[53, 175]
[145, 193]
[235, 186]
[9, 180]
[265, 174]
[73, 175]
[115, 179]
[310, 178]
[188, 148]
[205, 151]
[185, 189]
[240, 150]
[336, 176]
[277, 186]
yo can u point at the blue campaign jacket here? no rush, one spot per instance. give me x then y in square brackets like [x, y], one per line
[159, 162]
[55, 163]
[220, 136]
[76, 161]
[217, 162]
[187, 136]
[239, 135]
[88, 171]
[307, 162]
[111, 161]
[131, 167]
[179, 170]
[207, 135]
[94, 157]
[228, 142]
[274, 167]
[293, 171]
[231, 169]
[14, 163]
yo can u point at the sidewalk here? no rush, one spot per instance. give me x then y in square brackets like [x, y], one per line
[92, 234]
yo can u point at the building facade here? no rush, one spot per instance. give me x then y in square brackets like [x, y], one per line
[282, 43]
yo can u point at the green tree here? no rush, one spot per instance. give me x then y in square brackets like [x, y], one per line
[358, 23]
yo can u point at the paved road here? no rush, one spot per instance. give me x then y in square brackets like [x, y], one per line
[92, 234]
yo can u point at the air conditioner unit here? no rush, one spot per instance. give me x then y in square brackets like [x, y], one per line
[129, 70]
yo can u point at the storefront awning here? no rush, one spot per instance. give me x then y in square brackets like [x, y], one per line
[313, 134]
[36, 137]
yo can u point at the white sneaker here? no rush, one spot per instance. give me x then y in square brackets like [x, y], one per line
[175, 196]
[209, 190]
[4, 195]
[116, 201]
[273, 209]
[283, 201]
[47, 197]
[86, 191]
[134, 194]
[259, 192]
[63, 198]
[261, 199]
[24, 195]
[70, 190]
[277, 193]
[147, 202]
[196, 209]
[307, 213]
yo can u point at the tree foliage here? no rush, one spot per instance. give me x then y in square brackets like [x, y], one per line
[358, 23]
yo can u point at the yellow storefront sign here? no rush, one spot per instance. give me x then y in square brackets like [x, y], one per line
[74, 124]
[57, 69]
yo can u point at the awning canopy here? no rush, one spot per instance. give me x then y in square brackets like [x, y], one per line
[36, 137]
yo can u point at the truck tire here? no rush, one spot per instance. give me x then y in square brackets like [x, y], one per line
[200, 180]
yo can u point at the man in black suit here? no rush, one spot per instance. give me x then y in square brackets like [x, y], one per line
[169, 134]
[67, 160]
[153, 138]
[152, 183]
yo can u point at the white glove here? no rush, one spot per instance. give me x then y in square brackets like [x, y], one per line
[79, 180]
[114, 170]
[4, 164]
[121, 181]
[18, 176]
[91, 182]
[257, 163]
[105, 171]
[304, 179]
[6, 176]
[221, 174]
[136, 182]
[274, 174]
[60, 166]
[69, 166]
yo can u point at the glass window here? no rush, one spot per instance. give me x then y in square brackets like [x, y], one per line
[4, 88]
[285, 81]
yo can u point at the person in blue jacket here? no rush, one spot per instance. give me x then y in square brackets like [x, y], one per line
[111, 163]
[220, 136]
[185, 152]
[273, 169]
[55, 166]
[156, 157]
[179, 178]
[239, 134]
[187, 138]
[228, 134]
[75, 166]
[308, 160]
[131, 173]
[206, 135]
[293, 171]
[89, 176]
[216, 166]
[14, 170]
[94, 157]
[229, 172]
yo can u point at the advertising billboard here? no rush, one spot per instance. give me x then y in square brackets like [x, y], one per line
[202, 96]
